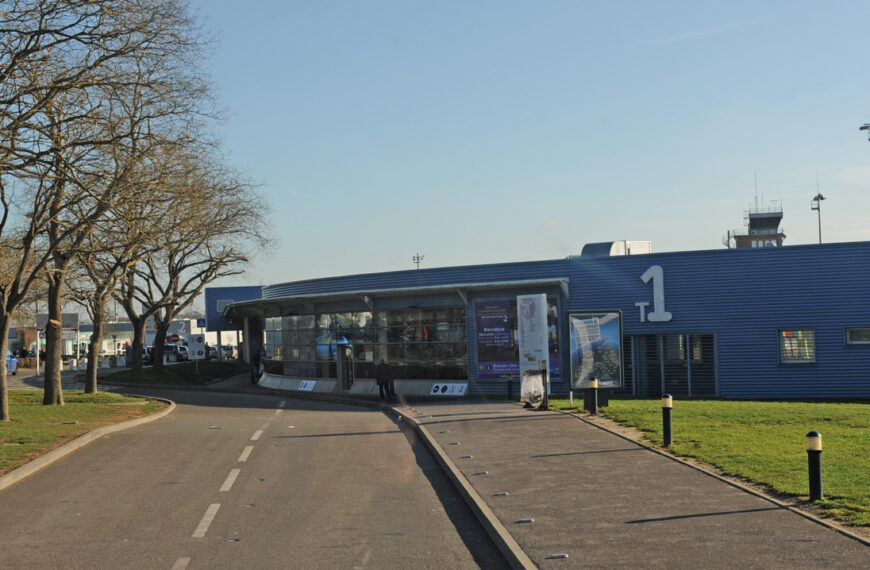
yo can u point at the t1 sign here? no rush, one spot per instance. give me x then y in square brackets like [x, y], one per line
[658, 315]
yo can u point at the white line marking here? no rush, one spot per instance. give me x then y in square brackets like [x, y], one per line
[257, 435]
[245, 453]
[181, 563]
[207, 518]
[231, 478]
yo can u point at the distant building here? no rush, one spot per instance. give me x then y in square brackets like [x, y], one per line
[762, 229]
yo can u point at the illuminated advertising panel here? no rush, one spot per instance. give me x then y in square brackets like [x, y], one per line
[595, 344]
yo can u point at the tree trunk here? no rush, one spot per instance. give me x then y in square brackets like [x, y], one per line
[5, 323]
[161, 328]
[137, 347]
[53, 394]
[93, 353]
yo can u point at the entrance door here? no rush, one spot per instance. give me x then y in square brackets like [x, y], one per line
[682, 365]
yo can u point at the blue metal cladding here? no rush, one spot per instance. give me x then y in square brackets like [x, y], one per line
[215, 296]
[743, 297]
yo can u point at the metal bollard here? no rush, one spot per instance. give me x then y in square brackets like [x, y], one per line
[510, 387]
[667, 431]
[593, 388]
[814, 460]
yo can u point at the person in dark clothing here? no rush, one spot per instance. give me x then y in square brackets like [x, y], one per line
[384, 379]
[256, 359]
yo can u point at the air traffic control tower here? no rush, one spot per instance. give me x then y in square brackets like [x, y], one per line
[762, 229]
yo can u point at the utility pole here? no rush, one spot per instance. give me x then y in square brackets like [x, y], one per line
[417, 259]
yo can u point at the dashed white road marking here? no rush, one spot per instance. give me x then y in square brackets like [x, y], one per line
[231, 478]
[206, 521]
[181, 563]
[257, 435]
[245, 453]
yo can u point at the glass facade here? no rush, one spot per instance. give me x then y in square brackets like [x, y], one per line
[415, 343]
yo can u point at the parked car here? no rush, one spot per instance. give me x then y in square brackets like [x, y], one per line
[174, 352]
[229, 351]
[183, 352]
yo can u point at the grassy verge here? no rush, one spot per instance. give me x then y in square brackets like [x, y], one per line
[36, 429]
[765, 442]
[182, 374]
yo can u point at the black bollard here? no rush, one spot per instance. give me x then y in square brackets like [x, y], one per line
[510, 388]
[667, 431]
[814, 460]
[593, 399]
[545, 403]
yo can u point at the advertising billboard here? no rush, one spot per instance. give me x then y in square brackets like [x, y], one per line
[595, 344]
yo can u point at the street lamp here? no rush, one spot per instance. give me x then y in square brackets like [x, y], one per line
[817, 206]
[865, 127]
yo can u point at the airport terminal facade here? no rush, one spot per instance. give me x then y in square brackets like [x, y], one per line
[776, 322]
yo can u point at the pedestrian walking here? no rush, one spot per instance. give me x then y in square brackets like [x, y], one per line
[384, 378]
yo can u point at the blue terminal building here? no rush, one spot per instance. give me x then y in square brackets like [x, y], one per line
[757, 323]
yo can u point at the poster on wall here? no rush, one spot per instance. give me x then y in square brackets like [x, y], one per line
[534, 351]
[595, 344]
[496, 347]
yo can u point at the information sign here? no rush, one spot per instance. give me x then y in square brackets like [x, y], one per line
[448, 389]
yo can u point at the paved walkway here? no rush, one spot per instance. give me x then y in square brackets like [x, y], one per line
[558, 492]
[607, 502]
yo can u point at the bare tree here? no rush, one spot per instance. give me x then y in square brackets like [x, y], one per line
[68, 70]
[215, 223]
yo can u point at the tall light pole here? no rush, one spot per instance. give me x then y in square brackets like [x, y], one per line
[817, 206]
[417, 259]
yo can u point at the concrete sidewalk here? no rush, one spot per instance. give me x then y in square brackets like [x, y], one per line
[599, 500]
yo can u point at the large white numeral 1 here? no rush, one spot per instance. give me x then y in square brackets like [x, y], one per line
[658, 314]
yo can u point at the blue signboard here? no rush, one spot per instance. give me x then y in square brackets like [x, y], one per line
[218, 298]
[497, 355]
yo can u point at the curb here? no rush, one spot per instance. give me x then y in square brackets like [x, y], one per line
[45, 460]
[727, 481]
[506, 544]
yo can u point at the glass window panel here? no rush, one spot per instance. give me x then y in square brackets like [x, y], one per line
[452, 351]
[363, 320]
[797, 346]
[858, 335]
[343, 320]
[395, 353]
[418, 352]
[324, 321]
[364, 352]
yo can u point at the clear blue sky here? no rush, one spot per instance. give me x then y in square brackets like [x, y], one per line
[489, 131]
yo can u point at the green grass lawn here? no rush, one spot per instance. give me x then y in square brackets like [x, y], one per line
[35, 429]
[765, 442]
[182, 374]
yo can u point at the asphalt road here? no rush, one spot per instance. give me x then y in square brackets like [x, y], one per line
[245, 481]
